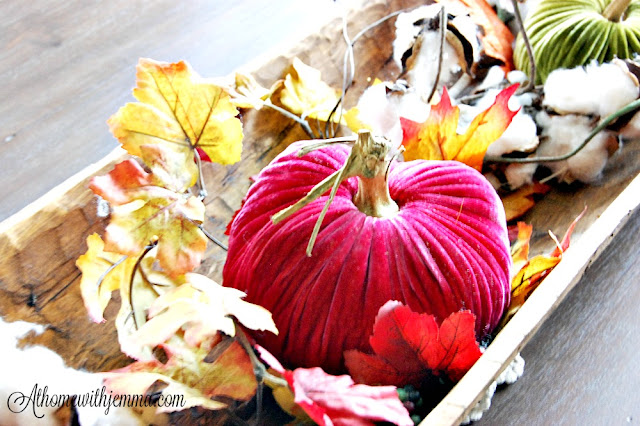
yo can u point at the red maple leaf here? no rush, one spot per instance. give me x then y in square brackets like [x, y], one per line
[409, 347]
[337, 400]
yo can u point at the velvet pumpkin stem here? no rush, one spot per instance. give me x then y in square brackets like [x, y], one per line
[368, 161]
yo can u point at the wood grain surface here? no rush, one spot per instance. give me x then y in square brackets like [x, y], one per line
[66, 66]
[582, 365]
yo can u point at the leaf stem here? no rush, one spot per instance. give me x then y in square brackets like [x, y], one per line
[603, 124]
[109, 269]
[532, 61]
[202, 189]
[258, 367]
[147, 249]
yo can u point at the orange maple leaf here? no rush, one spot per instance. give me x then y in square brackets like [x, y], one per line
[438, 139]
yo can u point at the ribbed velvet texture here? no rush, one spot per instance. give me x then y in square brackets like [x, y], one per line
[445, 250]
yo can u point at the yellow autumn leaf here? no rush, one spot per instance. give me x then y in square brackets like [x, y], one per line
[102, 273]
[246, 92]
[305, 93]
[179, 109]
[438, 138]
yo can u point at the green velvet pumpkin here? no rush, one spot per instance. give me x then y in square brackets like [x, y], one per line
[570, 33]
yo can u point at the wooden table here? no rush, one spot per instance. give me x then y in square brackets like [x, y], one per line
[66, 66]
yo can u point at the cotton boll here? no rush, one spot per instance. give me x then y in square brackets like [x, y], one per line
[568, 91]
[417, 46]
[520, 174]
[617, 87]
[563, 134]
[410, 105]
[422, 66]
[407, 31]
[517, 76]
[595, 90]
[495, 76]
[521, 135]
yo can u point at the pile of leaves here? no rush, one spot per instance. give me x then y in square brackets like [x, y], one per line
[187, 333]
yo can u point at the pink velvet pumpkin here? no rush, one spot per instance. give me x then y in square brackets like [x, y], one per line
[446, 249]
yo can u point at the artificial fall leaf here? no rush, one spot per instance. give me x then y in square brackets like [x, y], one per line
[178, 109]
[144, 212]
[337, 400]
[102, 273]
[494, 35]
[195, 374]
[305, 93]
[531, 274]
[522, 200]
[438, 138]
[520, 248]
[201, 307]
[247, 93]
[409, 347]
[137, 295]
[332, 400]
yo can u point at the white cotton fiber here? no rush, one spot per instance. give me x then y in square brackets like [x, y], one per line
[595, 90]
[521, 135]
[563, 134]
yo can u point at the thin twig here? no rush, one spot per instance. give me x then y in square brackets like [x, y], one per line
[532, 61]
[303, 123]
[213, 239]
[443, 32]
[603, 124]
[349, 59]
